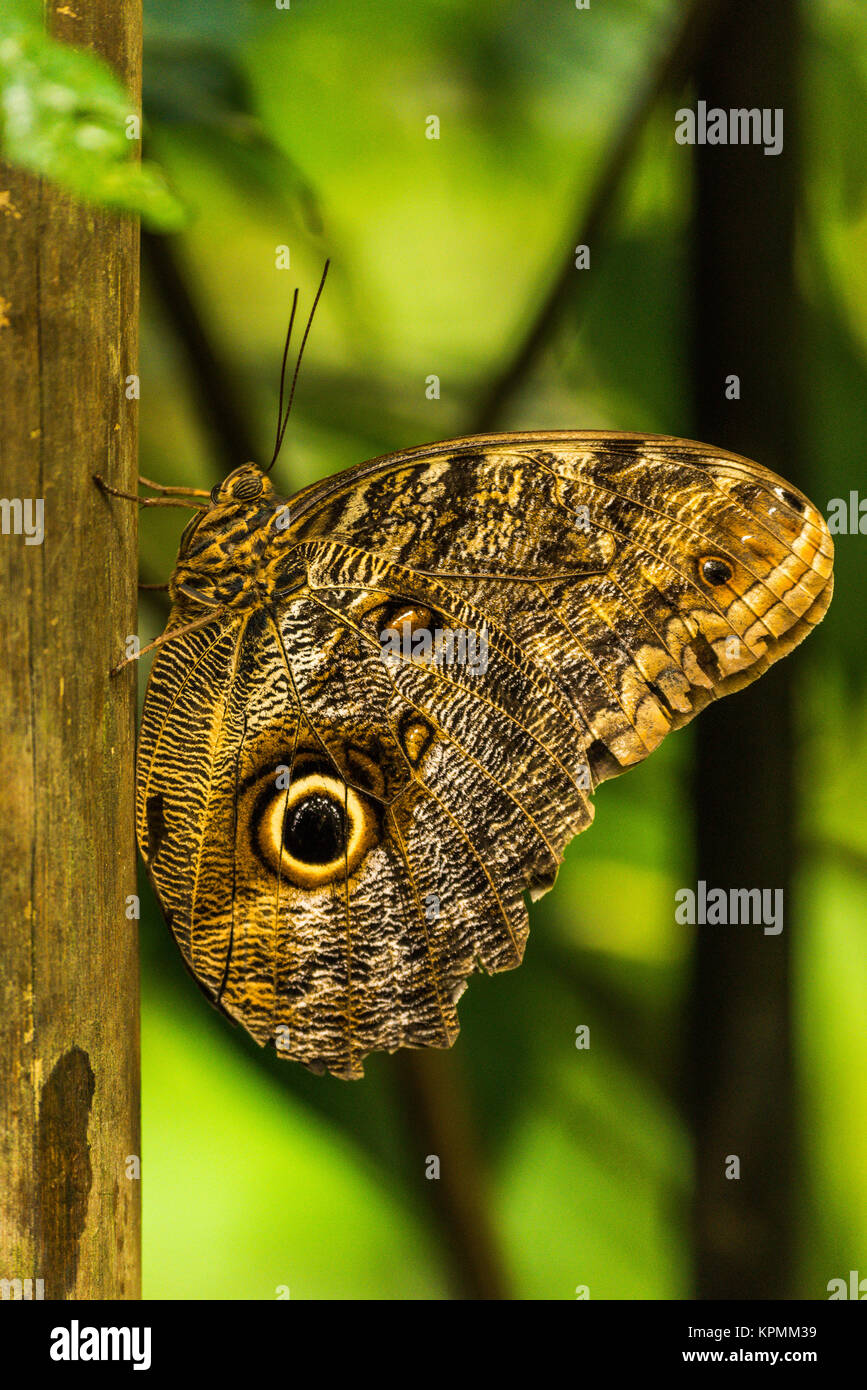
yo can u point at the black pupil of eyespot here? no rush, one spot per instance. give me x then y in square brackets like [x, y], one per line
[716, 571]
[315, 831]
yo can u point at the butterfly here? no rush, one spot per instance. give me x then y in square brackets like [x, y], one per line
[381, 707]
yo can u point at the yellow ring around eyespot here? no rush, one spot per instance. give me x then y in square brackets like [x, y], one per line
[359, 820]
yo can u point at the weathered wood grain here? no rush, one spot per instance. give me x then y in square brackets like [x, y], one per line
[69, 1102]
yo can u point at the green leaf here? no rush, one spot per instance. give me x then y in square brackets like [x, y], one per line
[65, 116]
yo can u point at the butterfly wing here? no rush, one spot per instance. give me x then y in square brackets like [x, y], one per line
[358, 827]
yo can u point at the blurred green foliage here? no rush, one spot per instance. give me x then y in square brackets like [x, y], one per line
[64, 115]
[306, 128]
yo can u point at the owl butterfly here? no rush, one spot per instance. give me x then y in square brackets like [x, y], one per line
[381, 708]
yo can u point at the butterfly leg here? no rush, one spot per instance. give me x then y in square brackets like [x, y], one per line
[165, 637]
[110, 491]
[161, 487]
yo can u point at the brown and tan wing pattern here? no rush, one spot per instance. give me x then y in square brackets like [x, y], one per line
[340, 837]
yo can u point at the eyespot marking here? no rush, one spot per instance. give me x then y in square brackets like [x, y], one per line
[416, 736]
[314, 832]
[790, 499]
[715, 570]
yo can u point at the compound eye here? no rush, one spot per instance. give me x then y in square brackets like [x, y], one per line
[715, 570]
[244, 485]
[248, 487]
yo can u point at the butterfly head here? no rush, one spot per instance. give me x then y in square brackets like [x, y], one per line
[242, 486]
[219, 551]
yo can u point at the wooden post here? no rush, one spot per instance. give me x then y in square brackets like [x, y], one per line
[69, 1021]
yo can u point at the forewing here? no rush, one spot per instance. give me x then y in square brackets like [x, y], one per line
[588, 550]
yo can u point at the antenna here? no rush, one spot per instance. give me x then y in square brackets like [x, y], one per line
[279, 437]
[283, 420]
